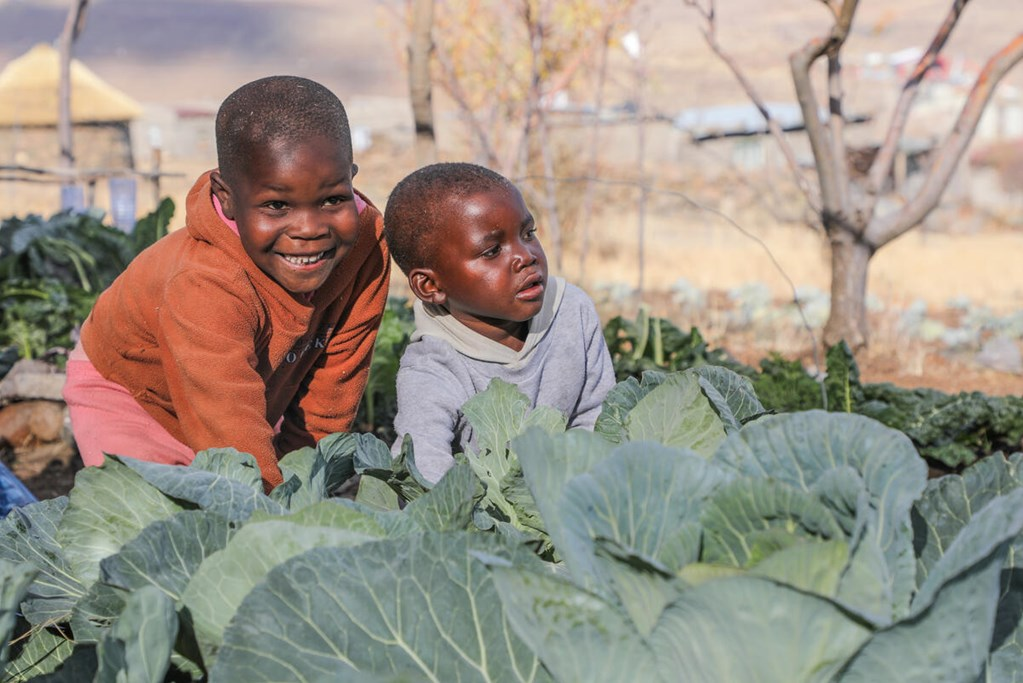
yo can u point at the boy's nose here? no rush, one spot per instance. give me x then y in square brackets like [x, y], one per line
[309, 225]
[523, 258]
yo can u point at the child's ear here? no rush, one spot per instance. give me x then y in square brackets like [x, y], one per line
[223, 193]
[423, 283]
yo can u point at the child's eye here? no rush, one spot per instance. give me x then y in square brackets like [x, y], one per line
[492, 251]
[531, 233]
[335, 200]
[276, 205]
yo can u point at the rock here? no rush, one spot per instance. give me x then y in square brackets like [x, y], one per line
[31, 461]
[28, 423]
[1001, 353]
[36, 434]
[32, 379]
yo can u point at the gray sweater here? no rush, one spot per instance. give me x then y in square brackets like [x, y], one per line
[564, 364]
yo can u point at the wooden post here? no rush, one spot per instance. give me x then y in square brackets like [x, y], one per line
[154, 178]
[72, 28]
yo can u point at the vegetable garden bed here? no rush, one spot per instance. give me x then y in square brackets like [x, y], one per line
[690, 537]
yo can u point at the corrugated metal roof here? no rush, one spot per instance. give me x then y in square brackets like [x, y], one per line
[706, 123]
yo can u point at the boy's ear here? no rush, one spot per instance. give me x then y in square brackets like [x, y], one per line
[423, 283]
[223, 193]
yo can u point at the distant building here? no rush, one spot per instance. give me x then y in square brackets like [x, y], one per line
[743, 127]
[100, 114]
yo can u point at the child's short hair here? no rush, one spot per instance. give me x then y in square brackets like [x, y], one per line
[276, 108]
[415, 207]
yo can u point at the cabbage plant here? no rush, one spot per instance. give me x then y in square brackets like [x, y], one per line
[689, 537]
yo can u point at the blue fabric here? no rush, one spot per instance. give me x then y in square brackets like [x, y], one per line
[12, 492]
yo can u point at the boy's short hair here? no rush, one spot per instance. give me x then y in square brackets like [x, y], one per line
[416, 207]
[276, 108]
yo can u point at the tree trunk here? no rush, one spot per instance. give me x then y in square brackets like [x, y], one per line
[420, 84]
[850, 259]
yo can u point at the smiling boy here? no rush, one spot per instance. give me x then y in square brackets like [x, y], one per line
[486, 308]
[253, 327]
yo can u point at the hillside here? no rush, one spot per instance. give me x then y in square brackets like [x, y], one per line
[190, 50]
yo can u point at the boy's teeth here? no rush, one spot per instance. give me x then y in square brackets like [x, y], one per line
[304, 260]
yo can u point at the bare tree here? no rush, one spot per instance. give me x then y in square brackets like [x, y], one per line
[614, 15]
[72, 29]
[848, 209]
[631, 43]
[504, 64]
[420, 84]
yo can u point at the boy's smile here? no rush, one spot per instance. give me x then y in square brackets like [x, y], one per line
[295, 209]
[489, 269]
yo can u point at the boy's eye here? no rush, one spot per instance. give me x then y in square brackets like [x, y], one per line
[275, 205]
[531, 233]
[492, 251]
[334, 201]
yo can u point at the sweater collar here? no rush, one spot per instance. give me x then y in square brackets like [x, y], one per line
[436, 321]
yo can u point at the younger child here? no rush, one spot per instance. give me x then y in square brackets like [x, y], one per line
[486, 308]
[252, 327]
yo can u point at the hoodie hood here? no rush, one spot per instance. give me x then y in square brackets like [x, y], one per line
[206, 223]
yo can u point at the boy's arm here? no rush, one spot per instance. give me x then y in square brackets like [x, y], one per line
[331, 393]
[600, 374]
[208, 358]
[429, 403]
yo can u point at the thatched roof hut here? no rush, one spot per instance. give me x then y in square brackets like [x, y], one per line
[28, 92]
[101, 114]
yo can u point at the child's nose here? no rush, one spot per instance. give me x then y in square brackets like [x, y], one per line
[309, 225]
[523, 257]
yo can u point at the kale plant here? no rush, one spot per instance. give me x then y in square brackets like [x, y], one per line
[53, 269]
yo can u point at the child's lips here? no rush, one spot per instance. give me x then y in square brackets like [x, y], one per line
[531, 292]
[309, 260]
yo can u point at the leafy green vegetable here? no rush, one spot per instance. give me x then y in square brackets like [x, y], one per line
[380, 400]
[139, 644]
[52, 270]
[416, 608]
[805, 546]
[38, 315]
[651, 343]
[15, 580]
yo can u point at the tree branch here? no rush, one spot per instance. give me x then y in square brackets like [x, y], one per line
[453, 87]
[612, 19]
[710, 36]
[534, 30]
[839, 157]
[820, 135]
[882, 165]
[885, 229]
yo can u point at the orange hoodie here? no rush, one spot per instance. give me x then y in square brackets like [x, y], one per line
[217, 352]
